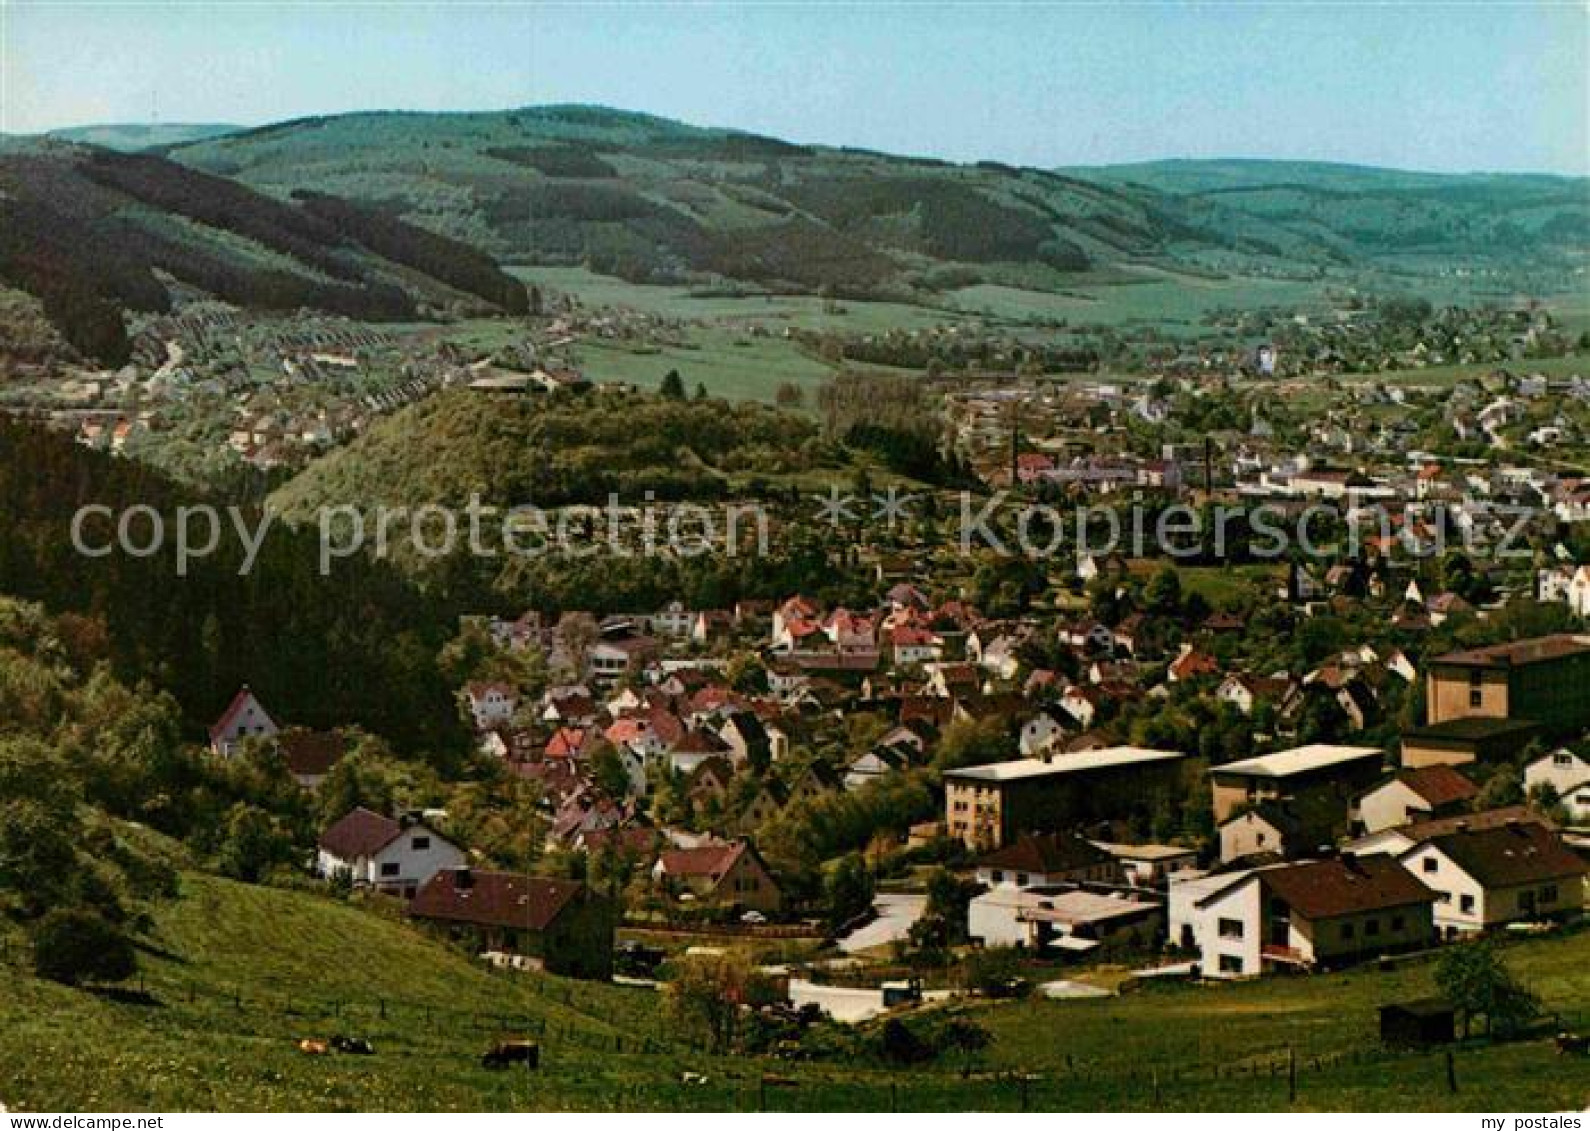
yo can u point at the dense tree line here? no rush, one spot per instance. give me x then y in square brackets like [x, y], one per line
[357, 646]
[454, 263]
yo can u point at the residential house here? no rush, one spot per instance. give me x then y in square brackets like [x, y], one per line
[1047, 859]
[245, 717]
[491, 704]
[310, 754]
[724, 874]
[395, 856]
[1520, 871]
[560, 926]
[1306, 915]
[1567, 775]
[1399, 838]
[1063, 920]
[1415, 795]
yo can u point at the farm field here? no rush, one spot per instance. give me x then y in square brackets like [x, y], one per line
[238, 974]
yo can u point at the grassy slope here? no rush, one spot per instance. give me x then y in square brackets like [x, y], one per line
[307, 966]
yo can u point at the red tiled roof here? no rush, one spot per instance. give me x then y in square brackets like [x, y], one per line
[712, 860]
[494, 899]
[361, 833]
[231, 712]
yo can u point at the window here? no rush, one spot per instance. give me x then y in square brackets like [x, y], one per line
[389, 869]
[1562, 758]
[1021, 879]
[1475, 677]
[1476, 697]
[1347, 931]
[1398, 922]
[999, 877]
[421, 843]
[1431, 864]
[1231, 928]
[1548, 894]
[1372, 927]
[1466, 904]
[1259, 839]
[1526, 901]
[1231, 964]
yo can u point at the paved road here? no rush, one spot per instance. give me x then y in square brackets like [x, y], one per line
[896, 913]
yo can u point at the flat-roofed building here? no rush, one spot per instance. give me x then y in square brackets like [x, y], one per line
[1313, 774]
[1545, 680]
[1463, 741]
[989, 806]
[1065, 919]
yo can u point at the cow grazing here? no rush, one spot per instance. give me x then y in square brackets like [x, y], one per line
[1570, 1044]
[354, 1046]
[504, 1053]
[313, 1047]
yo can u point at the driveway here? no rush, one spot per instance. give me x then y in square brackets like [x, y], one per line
[896, 912]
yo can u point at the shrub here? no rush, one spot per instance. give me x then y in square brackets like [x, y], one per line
[73, 945]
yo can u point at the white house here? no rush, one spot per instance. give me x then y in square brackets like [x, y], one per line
[1045, 860]
[1303, 915]
[376, 851]
[1415, 795]
[1569, 777]
[491, 704]
[1064, 919]
[1216, 918]
[244, 717]
[1039, 733]
[1484, 878]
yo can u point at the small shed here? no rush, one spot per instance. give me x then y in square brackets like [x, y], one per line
[1417, 1024]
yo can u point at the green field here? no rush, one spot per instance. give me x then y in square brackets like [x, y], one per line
[236, 975]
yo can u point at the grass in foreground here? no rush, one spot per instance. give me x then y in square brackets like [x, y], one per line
[241, 973]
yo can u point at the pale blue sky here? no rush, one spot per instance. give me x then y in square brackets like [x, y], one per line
[1487, 85]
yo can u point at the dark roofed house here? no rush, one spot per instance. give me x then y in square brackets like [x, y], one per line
[1519, 871]
[1329, 912]
[395, 856]
[561, 926]
[1306, 915]
[310, 754]
[1045, 859]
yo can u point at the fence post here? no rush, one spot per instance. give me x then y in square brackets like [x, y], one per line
[1291, 1075]
[1451, 1073]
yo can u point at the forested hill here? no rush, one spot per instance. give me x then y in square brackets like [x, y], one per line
[647, 198]
[1387, 214]
[356, 647]
[93, 233]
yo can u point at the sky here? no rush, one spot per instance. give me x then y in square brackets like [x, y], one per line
[1486, 85]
